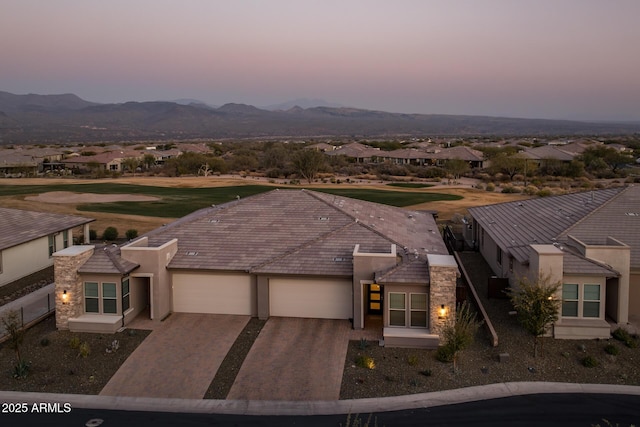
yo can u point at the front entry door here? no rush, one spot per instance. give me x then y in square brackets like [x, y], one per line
[374, 299]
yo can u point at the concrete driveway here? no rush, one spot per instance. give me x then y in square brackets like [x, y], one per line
[294, 359]
[179, 358]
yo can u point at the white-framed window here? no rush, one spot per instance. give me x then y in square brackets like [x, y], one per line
[581, 300]
[52, 244]
[91, 297]
[65, 239]
[418, 305]
[109, 301]
[397, 309]
[126, 298]
[100, 298]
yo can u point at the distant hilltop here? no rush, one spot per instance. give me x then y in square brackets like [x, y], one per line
[66, 118]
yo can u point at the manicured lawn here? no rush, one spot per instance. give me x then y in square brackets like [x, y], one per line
[177, 202]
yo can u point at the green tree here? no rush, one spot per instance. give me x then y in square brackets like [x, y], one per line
[11, 324]
[308, 163]
[536, 305]
[456, 167]
[510, 165]
[458, 333]
[131, 234]
[149, 161]
[130, 164]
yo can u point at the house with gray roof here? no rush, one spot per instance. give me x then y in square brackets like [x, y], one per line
[589, 242]
[29, 239]
[290, 253]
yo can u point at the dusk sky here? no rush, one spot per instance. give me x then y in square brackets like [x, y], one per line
[567, 59]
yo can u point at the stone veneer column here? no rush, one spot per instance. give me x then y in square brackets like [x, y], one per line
[65, 266]
[443, 273]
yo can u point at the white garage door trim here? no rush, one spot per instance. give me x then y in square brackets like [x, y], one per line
[320, 298]
[213, 293]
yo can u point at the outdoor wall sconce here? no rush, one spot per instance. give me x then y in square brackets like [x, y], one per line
[65, 297]
[442, 312]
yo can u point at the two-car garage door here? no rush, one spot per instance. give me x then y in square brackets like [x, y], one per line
[236, 294]
[322, 299]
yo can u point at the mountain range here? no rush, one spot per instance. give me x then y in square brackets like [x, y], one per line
[67, 118]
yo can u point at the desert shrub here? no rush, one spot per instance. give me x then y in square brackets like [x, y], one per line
[545, 192]
[84, 350]
[612, 350]
[426, 372]
[21, 369]
[444, 354]
[623, 335]
[93, 234]
[131, 234]
[365, 362]
[74, 343]
[412, 359]
[480, 186]
[530, 190]
[589, 362]
[490, 187]
[110, 234]
[510, 189]
[44, 342]
[363, 344]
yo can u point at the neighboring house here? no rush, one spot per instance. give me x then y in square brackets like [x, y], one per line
[407, 156]
[29, 239]
[360, 153]
[475, 158]
[589, 242]
[291, 253]
[108, 161]
[547, 152]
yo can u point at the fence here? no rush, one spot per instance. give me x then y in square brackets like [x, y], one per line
[29, 313]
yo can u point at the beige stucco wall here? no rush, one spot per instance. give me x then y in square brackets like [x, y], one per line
[365, 265]
[488, 249]
[634, 294]
[153, 262]
[25, 259]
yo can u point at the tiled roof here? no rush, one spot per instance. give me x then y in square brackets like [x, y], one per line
[577, 264]
[516, 225]
[619, 218]
[295, 231]
[18, 226]
[460, 152]
[414, 271]
[407, 153]
[107, 260]
[547, 152]
[355, 149]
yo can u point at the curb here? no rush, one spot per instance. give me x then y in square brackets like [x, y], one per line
[359, 406]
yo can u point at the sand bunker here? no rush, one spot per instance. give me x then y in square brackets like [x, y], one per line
[69, 197]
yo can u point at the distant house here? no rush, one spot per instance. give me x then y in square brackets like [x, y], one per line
[540, 154]
[360, 153]
[29, 239]
[589, 242]
[475, 158]
[110, 161]
[291, 253]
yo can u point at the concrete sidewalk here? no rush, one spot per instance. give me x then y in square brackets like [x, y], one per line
[359, 406]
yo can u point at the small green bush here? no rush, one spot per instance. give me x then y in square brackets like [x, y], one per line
[93, 234]
[612, 350]
[110, 234]
[510, 189]
[426, 372]
[623, 335]
[84, 350]
[363, 344]
[131, 234]
[490, 187]
[589, 362]
[21, 370]
[412, 359]
[545, 192]
[365, 362]
[74, 343]
[445, 354]
[44, 342]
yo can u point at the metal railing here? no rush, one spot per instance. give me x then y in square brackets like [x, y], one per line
[29, 313]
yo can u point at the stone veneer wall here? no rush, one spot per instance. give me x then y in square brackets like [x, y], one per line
[66, 264]
[442, 290]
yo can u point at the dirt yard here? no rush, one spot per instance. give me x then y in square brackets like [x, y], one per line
[67, 202]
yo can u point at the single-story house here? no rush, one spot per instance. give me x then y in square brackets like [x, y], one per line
[291, 253]
[588, 242]
[29, 239]
[360, 153]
